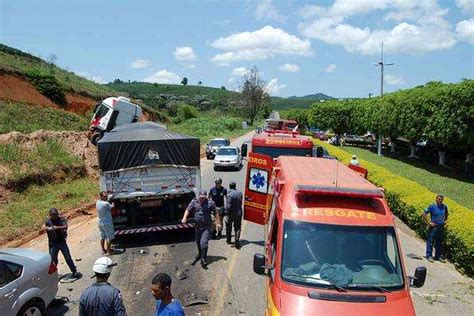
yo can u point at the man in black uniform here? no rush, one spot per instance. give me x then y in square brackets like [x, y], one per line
[201, 209]
[56, 228]
[233, 212]
[217, 194]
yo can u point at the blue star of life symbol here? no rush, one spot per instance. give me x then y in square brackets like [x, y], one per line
[258, 180]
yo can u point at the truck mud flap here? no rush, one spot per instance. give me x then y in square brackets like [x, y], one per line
[153, 229]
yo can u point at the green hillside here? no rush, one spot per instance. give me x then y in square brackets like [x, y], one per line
[13, 60]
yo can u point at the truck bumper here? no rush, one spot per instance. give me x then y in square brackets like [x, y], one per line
[122, 232]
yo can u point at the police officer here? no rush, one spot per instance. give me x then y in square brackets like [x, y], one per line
[217, 195]
[102, 298]
[233, 212]
[201, 209]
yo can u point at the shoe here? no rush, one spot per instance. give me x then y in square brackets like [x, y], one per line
[442, 260]
[204, 259]
[228, 240]
[196, 259]
[430, 259]
[237, 245]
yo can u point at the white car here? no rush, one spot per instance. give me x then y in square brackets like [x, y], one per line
[28, 281]
[228, 157]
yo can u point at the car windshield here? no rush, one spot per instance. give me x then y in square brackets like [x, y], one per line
[227, 152]
[291, 125]
[276, 152]
[102, 111]
[361, 257]
[217, 142]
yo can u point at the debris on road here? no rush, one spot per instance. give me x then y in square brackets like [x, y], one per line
[181, 275]
[143, 251]
[138, 292]
[192, 299]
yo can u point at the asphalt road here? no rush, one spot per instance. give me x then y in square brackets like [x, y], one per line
[229, 285]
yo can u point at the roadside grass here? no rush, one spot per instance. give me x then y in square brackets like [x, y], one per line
[47, 162]
[208, 126]
[26, 211]
[16, 60]
[459, 191]
[29, 118]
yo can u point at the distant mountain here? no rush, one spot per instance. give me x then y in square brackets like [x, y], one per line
[316, 96]
[298, 102]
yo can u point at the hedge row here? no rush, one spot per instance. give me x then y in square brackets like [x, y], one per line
[408, 199]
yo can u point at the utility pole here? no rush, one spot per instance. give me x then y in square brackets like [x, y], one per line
[381, 64]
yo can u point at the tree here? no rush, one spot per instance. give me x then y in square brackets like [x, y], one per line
[222, 87]
[200, 82]
[184, 81]
[254, 94]
[52, 62]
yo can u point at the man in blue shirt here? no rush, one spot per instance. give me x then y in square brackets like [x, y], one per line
[166, 305]
[438, 216]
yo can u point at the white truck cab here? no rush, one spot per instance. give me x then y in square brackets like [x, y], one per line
[113, 112]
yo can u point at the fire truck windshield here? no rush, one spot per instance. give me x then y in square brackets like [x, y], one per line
[352, 257]
[275, 152]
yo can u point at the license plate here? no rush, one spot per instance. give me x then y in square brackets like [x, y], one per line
[151, 203]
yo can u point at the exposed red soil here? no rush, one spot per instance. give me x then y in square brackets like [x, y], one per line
[13, 88]
[79, 104]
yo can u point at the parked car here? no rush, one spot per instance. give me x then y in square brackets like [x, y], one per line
[228, 157]
[354, 139]
[213, 146]
[320, 135]
[28, 281]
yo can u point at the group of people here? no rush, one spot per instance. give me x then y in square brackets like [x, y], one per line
[222, 205]
[209, 212]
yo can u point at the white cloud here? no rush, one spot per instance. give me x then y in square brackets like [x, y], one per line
[465, 30]
[289, 68]
[185, 53]
[394, 80]
[163, 76]
[96, 79]
[140, 63]
[273, 87]
[240, 71]
[466, 5]
[331, 68]
[222, 22]
[266, 11]
[264, 43]
[420, 26]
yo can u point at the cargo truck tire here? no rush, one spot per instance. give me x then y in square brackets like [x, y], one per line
[95, 138]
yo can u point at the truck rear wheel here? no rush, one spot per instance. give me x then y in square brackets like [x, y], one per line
[95, 138]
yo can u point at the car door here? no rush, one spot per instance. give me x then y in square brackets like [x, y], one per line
[9, 287]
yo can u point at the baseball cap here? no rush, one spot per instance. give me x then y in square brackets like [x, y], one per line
[53, 211]
[203, 193]
[103, 265]
[218, 180]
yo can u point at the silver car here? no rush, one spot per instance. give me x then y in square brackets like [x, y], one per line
[28, 281]
[213, 146]
[228, 157]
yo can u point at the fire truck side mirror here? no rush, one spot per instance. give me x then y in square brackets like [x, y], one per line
[259, 263]
[418, 280]
[243, 150]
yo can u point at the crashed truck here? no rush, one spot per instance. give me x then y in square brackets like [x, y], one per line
[150, 174]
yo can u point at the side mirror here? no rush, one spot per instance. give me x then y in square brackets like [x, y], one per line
[259, 263]
[243, 149]
[419, 279]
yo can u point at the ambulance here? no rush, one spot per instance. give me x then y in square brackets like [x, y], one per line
[331, 245]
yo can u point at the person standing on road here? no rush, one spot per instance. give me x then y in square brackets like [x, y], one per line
[233, 212]
[101, 298]
[106, 226]
[217, 195]
[56, 228]
[166, 304]
[438, 216]
[201, 209]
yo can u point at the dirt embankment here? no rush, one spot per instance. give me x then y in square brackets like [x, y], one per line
[15, 88]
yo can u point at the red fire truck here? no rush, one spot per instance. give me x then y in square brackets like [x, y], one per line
[331, 245]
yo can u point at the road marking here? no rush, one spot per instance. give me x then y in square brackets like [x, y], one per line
[230, 270]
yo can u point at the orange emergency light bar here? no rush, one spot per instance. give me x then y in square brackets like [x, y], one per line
[335, 191]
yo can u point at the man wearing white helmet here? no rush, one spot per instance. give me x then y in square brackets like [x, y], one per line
[101, 298]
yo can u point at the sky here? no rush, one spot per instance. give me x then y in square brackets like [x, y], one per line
[299, 47]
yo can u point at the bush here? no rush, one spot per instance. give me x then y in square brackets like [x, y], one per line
[408, 199]
[185, 112]
[48, 86]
